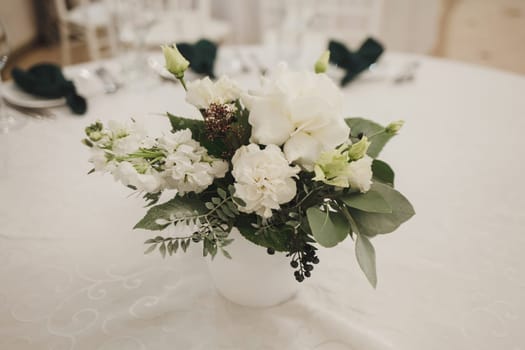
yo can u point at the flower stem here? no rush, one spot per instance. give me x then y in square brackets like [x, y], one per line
[183, 82]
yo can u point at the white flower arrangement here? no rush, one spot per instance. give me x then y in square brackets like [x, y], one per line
[281, 164]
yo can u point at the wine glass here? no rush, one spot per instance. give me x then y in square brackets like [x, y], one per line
[134, 20]
[7, 121]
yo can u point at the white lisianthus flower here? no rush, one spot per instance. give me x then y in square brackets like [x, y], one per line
[360, 174]
[300, 110]
[139, 175]
[188, 167]
[203, 92]
[263, 179]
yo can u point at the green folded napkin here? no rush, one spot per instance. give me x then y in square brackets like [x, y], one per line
[201, 56]
[46, 80]
[354, 62]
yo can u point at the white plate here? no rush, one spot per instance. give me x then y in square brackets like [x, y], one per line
[86, 83]
[13, 94]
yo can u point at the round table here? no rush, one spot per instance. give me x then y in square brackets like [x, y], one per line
[74, 275]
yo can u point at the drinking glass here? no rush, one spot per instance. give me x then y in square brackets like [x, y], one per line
[7, 121]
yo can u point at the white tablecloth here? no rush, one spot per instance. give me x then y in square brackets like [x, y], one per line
[73, 274]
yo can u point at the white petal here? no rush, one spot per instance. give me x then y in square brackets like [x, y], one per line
[269, 120]
[333, 134]
[303, 149]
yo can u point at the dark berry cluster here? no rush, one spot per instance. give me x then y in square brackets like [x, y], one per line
[218, 119]
[303, 262]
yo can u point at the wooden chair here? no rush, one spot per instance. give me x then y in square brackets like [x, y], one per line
[86, 20]
[349, 21]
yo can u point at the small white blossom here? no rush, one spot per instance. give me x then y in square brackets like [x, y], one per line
[203, 92]
[263, 179]
[188, 167]
[360, 174]
[147, 180]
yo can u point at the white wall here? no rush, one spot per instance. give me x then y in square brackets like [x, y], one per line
[18, 19]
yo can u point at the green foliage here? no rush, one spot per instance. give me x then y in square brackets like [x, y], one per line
[213, 221]
[179, 123]
[383, 172]
[371, 224]
[371, 201]
[161, 216]
[366, 258]
[377, 134]
[215, 147]
[328, 227]
[266, 235]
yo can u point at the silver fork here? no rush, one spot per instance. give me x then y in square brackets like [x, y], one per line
[109, 83]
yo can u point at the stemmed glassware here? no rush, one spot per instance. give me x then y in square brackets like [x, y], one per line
[134, 20]
[7, 121]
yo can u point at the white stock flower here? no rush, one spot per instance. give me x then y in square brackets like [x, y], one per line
[98, 159]
[188, 167]
[147, 180]
[300, 110]
[360, 174]
[203, 92]
[263, 179]
[128, 138]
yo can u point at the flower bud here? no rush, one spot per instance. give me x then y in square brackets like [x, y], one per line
[322, 63]
[94, 131]
[394, 127]
[95, 136]
[358, 149]
[176, 64]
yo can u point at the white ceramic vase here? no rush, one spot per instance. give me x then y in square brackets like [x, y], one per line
[252, 277]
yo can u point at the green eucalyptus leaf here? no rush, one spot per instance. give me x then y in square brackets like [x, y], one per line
[383, 172]
[371, 224]
[329, 228]
[371, 201]
[271, 238]
[177, 206]
[366, 258]
[375, 133]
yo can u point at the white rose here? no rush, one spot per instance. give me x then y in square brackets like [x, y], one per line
[301, 110]
[203, 92]
[263, 179]
[360, 174]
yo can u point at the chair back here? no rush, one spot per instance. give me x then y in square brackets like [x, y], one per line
[349, 21]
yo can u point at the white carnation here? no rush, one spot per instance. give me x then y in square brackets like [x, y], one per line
[307, 108]
[188, 167]
[203, 92]
[263, 179]
[360, 174]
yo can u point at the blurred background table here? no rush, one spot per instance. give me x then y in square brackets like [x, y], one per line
[74, 275]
